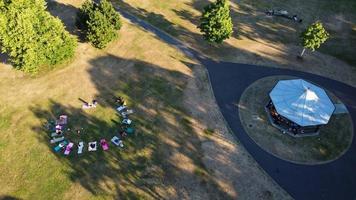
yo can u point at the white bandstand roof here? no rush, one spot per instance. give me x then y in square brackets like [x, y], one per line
[302, 102]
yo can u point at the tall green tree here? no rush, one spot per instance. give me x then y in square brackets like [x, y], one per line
[83, 14]
[215, 23]
[99, 22]
[313, 37]
[100, 31]
[110, 13]
[32, 37]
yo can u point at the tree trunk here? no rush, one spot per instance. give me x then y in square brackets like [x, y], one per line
[301, 54]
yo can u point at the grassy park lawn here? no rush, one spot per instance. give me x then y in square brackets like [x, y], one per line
[164, 159]
[262, 40]
[333, 140]
[145, 169]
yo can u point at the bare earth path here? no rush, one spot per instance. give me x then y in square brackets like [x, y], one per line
[231, 165]
[335, 180]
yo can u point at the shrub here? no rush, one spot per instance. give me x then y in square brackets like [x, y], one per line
[83, 14]
[100, 31]
[100, 22]
[110, 13]
[215, 23]
[313, 37]
[32, 37]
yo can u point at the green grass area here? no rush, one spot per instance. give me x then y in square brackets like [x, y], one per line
[181, 19]
[145, 168]
[5, 119]
[332, 141]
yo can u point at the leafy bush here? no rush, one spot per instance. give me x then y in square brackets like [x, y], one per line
[100, 22]
[314, 36]
[101, 31]
[216, 23]
[32, 37]
[83, 14]
[110, 13]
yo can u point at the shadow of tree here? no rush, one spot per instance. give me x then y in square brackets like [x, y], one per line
[251, 22]
[159, 20]
[6, 197]
[4, 57]
[67, 13]
[194, 40]
[194, 44]
[156, 156]
[187, 15]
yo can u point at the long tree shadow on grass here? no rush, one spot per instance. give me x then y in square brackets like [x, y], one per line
[7, 197]
[157, 156]
[4, 58]
[67, 14]
[251, 22]
[194, 40]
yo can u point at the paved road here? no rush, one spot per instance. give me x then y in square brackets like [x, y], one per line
[335, 180]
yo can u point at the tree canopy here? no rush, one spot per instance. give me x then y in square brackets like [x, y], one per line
[32, 37]
[100, 22]
[215, 23]
[314, 36]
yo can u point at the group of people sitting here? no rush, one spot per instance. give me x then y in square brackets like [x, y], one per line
[58, 129]
[283, 13]
[57, 134]
[87, 105]
[125, 127]
[280, 121]
[287, 125]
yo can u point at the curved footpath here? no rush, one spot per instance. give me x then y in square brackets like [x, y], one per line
[334, 180]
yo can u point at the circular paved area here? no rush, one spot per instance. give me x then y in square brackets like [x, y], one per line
[332, 142]
[334, 180]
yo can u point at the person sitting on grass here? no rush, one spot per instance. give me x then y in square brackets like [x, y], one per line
[297, 19]
[90, 105]
[122, 134]
[94, 103]
[86, 105]
[120, 101]
[59, 127]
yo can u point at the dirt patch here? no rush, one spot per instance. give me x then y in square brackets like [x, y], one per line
[226, 160]
[333, 140]
[163, 160]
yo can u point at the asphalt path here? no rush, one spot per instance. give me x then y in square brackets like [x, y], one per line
[334, 180]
